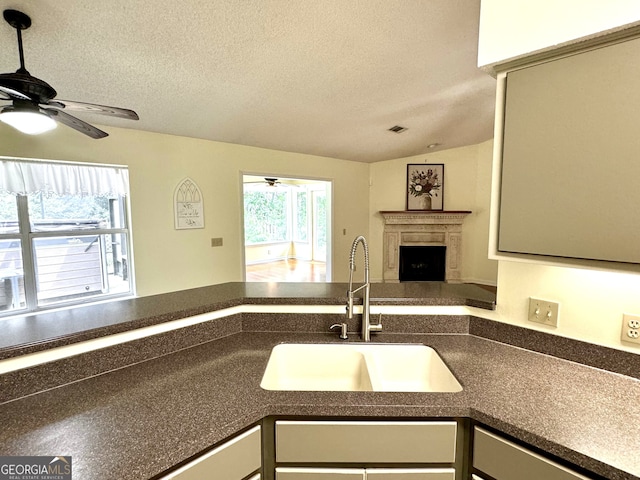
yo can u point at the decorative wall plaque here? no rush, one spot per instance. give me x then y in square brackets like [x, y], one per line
[189, 211]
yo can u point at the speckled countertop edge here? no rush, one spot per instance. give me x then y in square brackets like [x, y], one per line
[139, 421]
[42, 331]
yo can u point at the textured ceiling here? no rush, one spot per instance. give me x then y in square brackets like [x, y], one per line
[324, 77]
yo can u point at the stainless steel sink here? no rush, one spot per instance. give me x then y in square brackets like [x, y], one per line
[358, 367]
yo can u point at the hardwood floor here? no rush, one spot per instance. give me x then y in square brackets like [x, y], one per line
[290, 270]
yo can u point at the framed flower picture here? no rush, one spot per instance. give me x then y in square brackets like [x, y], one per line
[425, 186]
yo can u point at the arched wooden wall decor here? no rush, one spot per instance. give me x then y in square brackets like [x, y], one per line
[189, 211]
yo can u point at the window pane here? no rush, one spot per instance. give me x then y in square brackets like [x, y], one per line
[265, 216]
[301, 216]
[321, 224]
[11, 275]
[118, 275]
[74, 212]
[83, 266]
[8, 213]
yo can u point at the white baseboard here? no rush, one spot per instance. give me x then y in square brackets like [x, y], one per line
[490, 283]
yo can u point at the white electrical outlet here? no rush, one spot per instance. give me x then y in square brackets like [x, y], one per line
[630, 328]
[543, 311]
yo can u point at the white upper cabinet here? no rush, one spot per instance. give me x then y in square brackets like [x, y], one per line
[566, 160]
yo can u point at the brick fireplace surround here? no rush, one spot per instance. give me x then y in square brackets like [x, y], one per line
[422, 228]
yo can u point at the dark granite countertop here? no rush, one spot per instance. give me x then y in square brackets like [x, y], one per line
[138, 421]
[42, 331]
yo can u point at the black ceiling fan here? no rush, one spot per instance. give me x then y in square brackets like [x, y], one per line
[32, 99]
[272, 182]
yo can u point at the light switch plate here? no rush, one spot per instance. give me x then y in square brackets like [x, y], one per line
[216, 242]
[543, 311]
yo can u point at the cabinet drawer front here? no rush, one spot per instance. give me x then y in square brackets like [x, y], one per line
[424, 442]
[319, 473]
[411, 473]
[505, 460]
[233, 460]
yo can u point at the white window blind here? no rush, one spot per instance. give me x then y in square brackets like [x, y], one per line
[25, 177]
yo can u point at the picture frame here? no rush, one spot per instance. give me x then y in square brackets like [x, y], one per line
[425, 186]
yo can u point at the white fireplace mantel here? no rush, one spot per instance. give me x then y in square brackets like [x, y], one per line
[423, 228]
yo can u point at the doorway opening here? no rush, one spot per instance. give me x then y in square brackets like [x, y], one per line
[287, 226]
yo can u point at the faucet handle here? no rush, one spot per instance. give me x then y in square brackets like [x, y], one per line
[343, 329]
[349, 304]
[375, 328]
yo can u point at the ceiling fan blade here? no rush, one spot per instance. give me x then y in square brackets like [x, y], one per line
[11, 94]
[75, 123]
[94, 108]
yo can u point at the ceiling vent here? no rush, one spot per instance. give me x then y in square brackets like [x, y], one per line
[398, 129]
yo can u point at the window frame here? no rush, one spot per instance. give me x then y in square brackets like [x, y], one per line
[27, 238]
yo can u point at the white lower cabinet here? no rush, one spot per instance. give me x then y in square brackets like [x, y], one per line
[233, 460]
[410, 473]
[505, 460]
[396, 443]
[365, 442]
[283, 473]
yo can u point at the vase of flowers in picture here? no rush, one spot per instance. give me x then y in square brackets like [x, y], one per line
[425, 187]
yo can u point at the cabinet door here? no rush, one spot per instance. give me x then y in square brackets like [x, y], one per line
[504, 460]
[283, 473]
[411, 473]
[366, 442]
[233, 460]
[561, 118]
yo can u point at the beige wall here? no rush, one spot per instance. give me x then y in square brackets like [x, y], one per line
[591, 301]
[467, 181]
[167, 259]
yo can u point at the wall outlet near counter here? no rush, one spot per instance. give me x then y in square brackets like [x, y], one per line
[543, 311]
[630, 328]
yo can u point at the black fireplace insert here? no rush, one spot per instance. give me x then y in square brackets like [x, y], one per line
[422, 263]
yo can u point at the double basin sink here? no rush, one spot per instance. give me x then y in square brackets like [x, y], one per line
[373, 367]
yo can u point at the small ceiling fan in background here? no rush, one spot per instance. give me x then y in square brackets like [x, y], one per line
[272, 182]
[257, 182]
[33, 109]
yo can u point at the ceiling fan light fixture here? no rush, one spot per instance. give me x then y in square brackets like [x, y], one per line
[27, 121]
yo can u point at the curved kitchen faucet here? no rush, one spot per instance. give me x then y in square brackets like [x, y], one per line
[367, 328]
